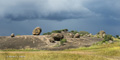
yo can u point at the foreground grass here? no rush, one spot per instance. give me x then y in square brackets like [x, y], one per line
[48, 56]
[107, 51]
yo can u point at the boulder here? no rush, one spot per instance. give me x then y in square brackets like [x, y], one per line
[51, 40]
[57, 36]
[37, 31]
[12, 35]
[89, 35]
[70, 35]
[110, 41]
[102, 34]
[77, 35]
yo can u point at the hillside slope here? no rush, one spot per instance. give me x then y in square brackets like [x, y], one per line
[42, 42]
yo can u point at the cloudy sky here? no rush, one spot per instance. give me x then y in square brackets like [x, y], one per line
[22, 16]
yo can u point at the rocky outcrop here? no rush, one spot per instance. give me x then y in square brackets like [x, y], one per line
[37, 31]
[44, 42]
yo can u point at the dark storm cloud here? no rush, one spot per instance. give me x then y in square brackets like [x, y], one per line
[19, 10]
[44, 9]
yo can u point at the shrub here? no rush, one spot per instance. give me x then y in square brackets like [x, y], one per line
[63, 41]
[117, 36]
[64, 30]
[74, 32]
[108, 37]
[56, 31]
[48, 33]
[83, 32]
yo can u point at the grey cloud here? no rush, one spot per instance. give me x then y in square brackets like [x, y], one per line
[44, 9]
[18, 10]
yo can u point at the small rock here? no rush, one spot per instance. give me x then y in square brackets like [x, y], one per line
[12, 35]
[110, 41]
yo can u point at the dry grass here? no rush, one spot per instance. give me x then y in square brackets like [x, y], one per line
[48, 55]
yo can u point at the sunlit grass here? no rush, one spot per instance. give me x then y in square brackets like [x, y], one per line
[48, 56]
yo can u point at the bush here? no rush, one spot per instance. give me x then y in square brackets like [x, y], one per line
[74, 32]
[117, 36]
[64, 30]
[63, 41]
[108, 37]
[56, 31]
[83, 32]
[48, 33]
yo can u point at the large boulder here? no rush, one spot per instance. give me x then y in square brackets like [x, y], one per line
[57, 36]
[12, 35]
[77, 35]
[37, 31]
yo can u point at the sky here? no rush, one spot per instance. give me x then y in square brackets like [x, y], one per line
[22, 16]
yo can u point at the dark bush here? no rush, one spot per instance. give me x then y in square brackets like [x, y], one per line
[117, 36]
[56, 31]
[64, 30]
[108, 37]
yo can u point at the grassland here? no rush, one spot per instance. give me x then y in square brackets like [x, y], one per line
[99, 51]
